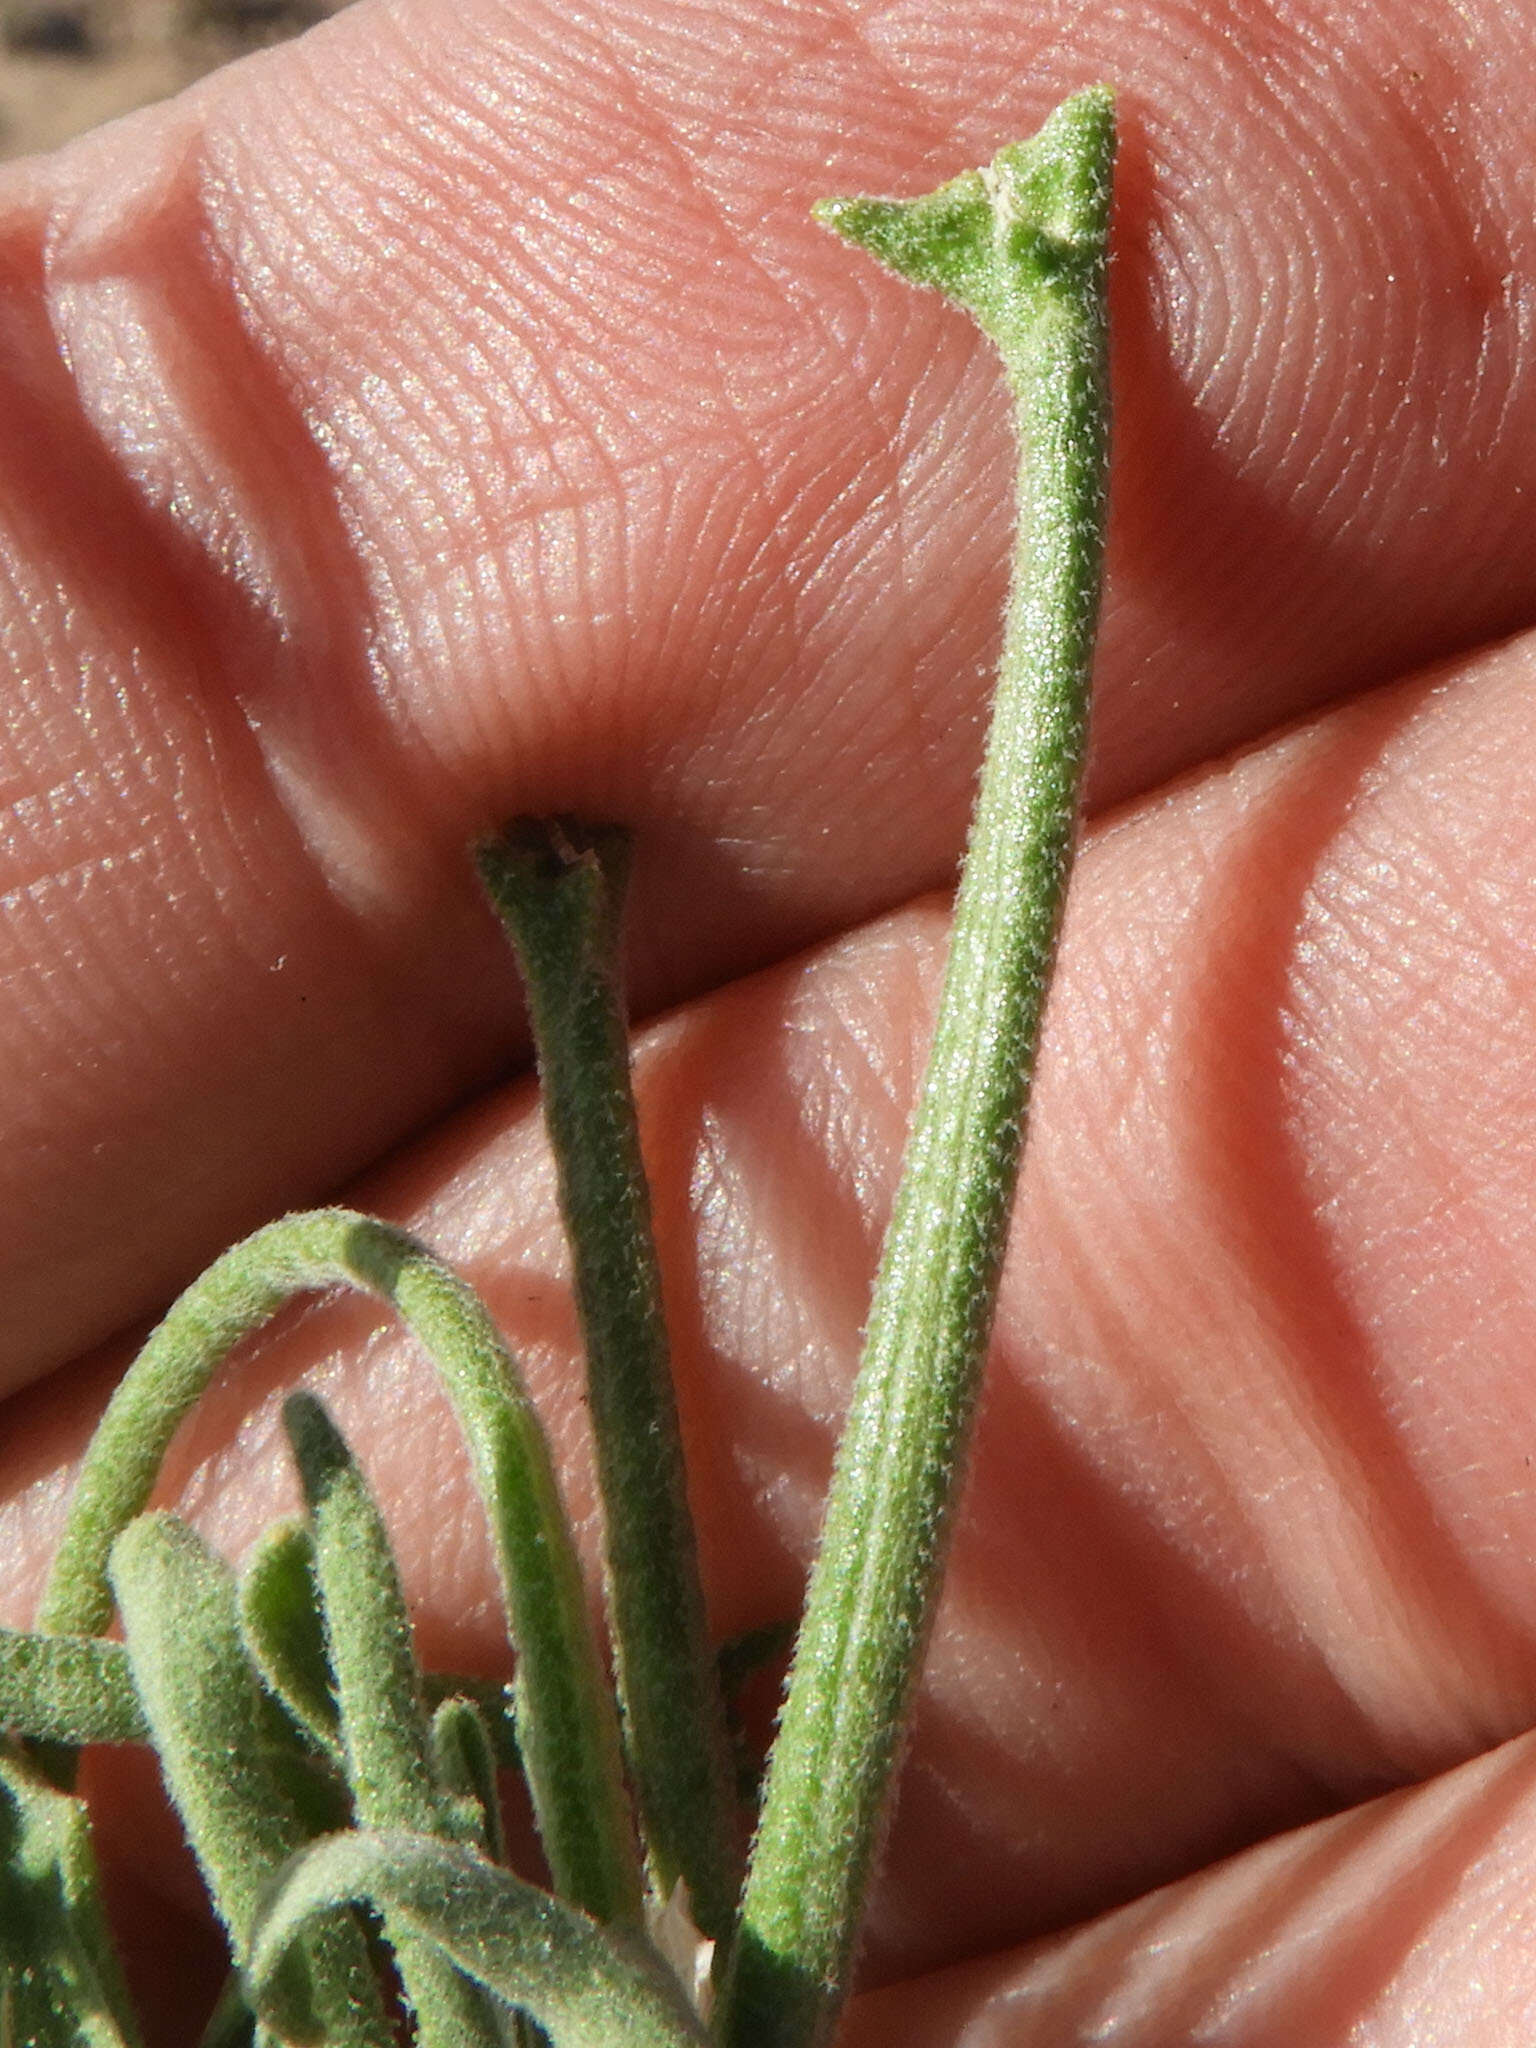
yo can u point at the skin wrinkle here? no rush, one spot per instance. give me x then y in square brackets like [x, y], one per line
[268, 646]
[1458, 1030]
[191, 596]
[1215, 1959]
[1260, 1210]
[786, 84]
[1436, 202]
[928, 735]
[945, 748]
[1389, 1931]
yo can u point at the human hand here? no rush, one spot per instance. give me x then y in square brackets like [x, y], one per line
[457, 415]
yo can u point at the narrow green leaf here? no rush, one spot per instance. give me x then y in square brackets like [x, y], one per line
[465, 1766]
[60, 1985]
[74, 1689]
[1022, 245]
[368, 1637]
[379, 1694]
[312, 1781]
[492, 1701]
[205, 1709]
[280, 1621]
[559, 889]
[568, 1732]
[588, 1986]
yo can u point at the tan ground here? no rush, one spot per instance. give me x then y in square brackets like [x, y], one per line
[67, 64]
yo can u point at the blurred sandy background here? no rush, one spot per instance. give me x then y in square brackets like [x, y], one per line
[67, 64]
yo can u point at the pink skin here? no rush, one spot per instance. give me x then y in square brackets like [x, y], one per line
[455, 414]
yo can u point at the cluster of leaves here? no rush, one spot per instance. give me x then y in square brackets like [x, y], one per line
[311, 1762]
[341, 1802]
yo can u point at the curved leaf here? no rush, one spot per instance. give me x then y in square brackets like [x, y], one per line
[586, 1986]
[567, 1723]
[492, 1701]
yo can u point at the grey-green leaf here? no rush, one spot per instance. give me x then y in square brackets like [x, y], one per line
[280, 1620]
[206, 1712]
[492, 1700]
[379, 1693]
[587, 1986]
[74, 1689]
[466, 1769]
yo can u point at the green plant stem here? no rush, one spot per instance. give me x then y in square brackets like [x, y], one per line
[567, 1726]
[1022, 247]
[559, 890]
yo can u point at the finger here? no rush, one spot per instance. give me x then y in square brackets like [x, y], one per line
[1406, 1921]
[456, 413]
[1247, 1531]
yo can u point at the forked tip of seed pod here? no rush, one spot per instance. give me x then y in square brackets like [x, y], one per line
[1057, 183]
